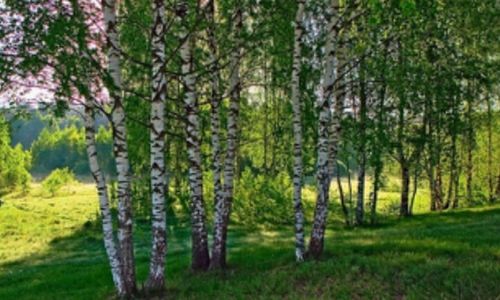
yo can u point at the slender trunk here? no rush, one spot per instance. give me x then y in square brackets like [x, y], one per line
[457, 186]
[360, 202]
[430, 164]
[436, 163]
[379, 164]
[405, 190]
[102, 192]
[156, 280]
[403, 159]
[374, 196]
[498, 187]
[266, 114]
[415, 189]
[297, 134]
[450, 198]
[438, 187]
[222, 214]
[120, 146]
[125, 218]
[336, 127]
[345, 210]
[360, 209]
[215, 127]
[470, 147]
[491, 179]
[215, 102]
[349, 187]
[200, 255]
[430, 174]
[316, 243]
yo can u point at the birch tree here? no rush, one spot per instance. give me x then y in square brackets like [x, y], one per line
[102, 192]
[223, 210]
[200, 254]
[316, 243]
[297, 133]
[156, 280]
[120, 146]
[215, 125]
[363, 118]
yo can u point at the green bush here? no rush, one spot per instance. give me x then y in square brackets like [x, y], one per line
[57, 180]
[14, 163]
[263, 199]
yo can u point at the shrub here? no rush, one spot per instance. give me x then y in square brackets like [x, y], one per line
[56, 180]
[262, 199]
[14, 163]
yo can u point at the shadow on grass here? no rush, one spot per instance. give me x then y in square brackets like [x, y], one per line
[452, 255]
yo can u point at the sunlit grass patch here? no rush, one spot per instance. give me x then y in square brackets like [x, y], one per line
[29, 224]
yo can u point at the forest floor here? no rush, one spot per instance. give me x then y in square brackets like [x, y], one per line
[51, 248]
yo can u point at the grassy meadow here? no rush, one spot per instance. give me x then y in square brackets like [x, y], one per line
[51, 248]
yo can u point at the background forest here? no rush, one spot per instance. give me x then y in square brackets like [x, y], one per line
[239, 136]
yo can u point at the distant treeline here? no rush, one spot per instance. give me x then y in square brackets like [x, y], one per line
[57, 143]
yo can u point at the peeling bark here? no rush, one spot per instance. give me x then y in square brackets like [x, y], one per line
[156, 279]
[297, 133]
[120, 147]
[215, 125]
[223, 212]
[215, 103]
[102, 192]
[200, 255]
[360, 203]
[316, 243]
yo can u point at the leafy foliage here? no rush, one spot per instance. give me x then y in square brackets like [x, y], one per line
[14, 163]
[260, 199]
[58, 179]
[60, 146]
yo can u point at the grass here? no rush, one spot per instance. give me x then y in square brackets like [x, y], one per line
[51, 248]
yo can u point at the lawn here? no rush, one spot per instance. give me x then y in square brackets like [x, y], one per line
[51, 249]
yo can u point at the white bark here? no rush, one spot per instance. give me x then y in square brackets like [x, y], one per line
[156, 280]
[102, 192]
[323, 171]
[120, 146]
[215, 102]
[223, 212]
[201, 258]
[297, 133]
[215, 125]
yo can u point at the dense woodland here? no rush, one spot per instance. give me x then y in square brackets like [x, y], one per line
[225, 112]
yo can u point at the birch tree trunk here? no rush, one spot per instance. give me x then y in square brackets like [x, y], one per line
[489, 125]
[297, 133]
[200, 254]
[360, 203]
[404, 210]
[223, 212]
[156, 280]
[470, 147]
[378, 160]
[338, 111]
[316, 243]
[215, 125]
[120, 148]
[215, 102]
[429, 130]
[102, 192]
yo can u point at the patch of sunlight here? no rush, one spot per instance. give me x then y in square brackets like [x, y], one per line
[388, 200]
[30, 223]
[270, 234]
